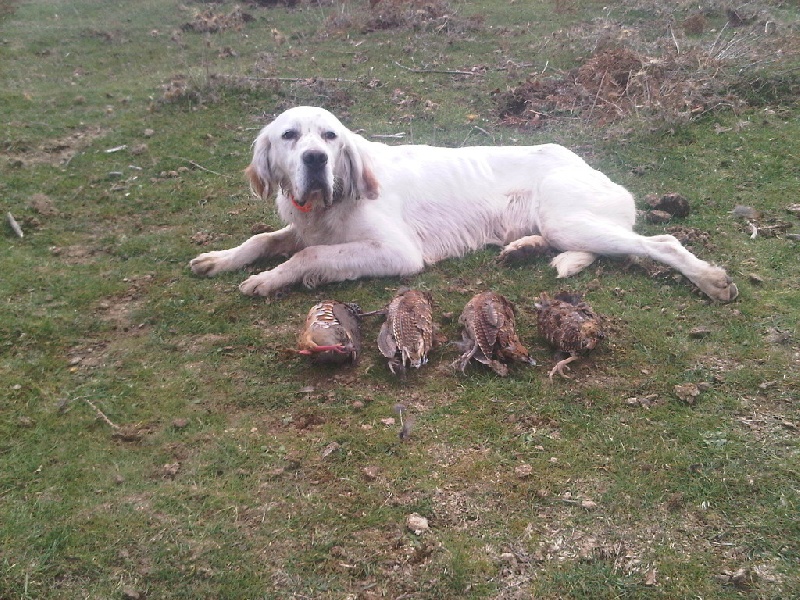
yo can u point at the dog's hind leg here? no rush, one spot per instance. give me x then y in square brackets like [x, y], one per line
[712, 280]
[603, 238]
[571, 262]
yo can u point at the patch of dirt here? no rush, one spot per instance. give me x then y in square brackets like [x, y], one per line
[77, 254]
[119, 309]
[88, 355]
[56, 151]
[43, 205]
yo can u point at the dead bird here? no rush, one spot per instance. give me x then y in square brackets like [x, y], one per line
[332, 332]
[406, 336]
[490, 335]
[569, 325]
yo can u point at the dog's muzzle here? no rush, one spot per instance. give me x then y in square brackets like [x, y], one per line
[317, 185]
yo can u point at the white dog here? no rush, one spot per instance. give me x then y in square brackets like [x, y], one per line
[357, 208]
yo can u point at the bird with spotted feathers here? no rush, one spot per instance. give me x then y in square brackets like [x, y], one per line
[490, 335]
[407, 335]
[568, 324]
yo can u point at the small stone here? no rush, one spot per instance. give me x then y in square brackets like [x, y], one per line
[523, 471]
[588, 504]
[657, 216]
[170, 470]
[698, 333]
[508, 557]
[416, 523]
[130, 594]
[688, 392]
[371, 473]
[672, 204]
[180, 423]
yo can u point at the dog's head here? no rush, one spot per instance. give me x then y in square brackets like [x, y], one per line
[312, 157]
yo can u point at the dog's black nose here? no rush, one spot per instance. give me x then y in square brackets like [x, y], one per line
[315, 159]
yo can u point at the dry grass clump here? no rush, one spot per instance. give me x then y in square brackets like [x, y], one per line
[209, 21]
[416, 15]
[671, 79]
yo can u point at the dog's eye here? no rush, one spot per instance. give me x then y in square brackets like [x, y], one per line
[329, 135]
[289, 134]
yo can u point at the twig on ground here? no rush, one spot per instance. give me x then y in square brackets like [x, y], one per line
[674, 40]
[438, 71]
[197, 165]
[14, 225]
[102, 415]
[597, 95]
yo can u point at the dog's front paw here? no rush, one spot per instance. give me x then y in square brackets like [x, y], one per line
[258, 285]
[209, 264]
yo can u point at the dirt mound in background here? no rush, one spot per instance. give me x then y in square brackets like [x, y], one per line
[613, 83]
[667, 79]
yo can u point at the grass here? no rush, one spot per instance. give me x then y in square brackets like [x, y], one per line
[218, 475]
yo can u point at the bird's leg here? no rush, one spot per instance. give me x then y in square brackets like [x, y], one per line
[561, 365]
[462, 361]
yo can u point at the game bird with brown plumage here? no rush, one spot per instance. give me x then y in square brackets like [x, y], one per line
[406, 336]
[490, 335]
[332, 332]
[569, 325]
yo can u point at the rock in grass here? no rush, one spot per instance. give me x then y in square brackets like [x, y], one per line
[417, 524]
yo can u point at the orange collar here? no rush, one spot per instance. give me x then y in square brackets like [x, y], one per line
[305, 208]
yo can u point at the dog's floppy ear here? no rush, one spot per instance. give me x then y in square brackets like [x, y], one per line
[258, 172]
[359, 180]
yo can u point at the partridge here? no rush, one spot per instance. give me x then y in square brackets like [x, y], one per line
[332, 332]
[569, 325]
[490, 335]
[406, 336]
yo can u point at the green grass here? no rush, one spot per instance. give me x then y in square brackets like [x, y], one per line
[211, 482]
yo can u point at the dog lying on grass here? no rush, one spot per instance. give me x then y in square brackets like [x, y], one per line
[358, 208]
